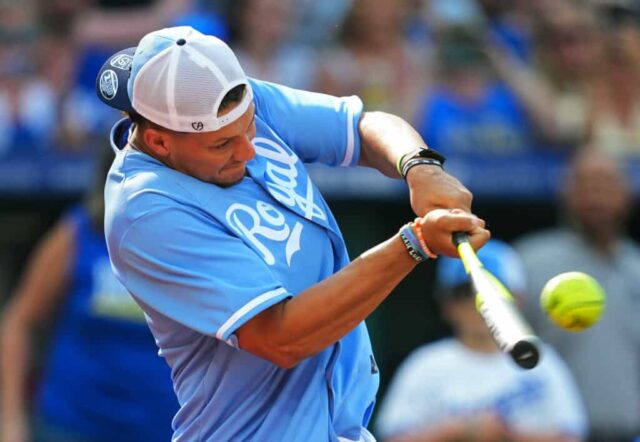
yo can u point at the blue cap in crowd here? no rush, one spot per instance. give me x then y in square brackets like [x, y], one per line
[498, 257]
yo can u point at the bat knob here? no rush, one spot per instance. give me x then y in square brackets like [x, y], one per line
[525, 353]
[458, 238]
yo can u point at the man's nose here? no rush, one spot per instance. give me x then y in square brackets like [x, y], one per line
[245, 150]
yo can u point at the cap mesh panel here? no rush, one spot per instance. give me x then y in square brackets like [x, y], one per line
[203, 71]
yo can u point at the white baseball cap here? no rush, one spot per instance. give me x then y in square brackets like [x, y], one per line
[175, 77]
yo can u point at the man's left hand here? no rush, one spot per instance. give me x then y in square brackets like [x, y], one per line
[430, 188]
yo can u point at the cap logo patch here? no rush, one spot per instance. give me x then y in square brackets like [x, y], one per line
[108, 84]
[197, 125]
[122, 61]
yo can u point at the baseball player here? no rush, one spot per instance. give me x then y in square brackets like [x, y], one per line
[216, 229]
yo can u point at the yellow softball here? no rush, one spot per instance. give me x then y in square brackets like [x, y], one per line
[574, 300]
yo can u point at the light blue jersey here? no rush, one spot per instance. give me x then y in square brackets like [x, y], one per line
[203, 260]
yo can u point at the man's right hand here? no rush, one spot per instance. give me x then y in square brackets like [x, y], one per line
[439, 225]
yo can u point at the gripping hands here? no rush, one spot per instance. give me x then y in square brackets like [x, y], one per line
[439, 225]
[444, 207]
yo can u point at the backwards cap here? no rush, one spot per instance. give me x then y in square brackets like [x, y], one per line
[175, 77]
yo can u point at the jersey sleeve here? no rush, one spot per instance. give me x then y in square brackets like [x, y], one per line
[318, 127]
[199, 275]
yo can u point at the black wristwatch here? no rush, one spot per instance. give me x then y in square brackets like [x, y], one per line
[421, 155]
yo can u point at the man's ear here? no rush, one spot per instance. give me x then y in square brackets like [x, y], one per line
[159, 143]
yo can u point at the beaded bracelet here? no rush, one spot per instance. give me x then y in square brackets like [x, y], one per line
[411, 243]
[423, 244]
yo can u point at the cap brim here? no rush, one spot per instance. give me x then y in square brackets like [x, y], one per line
[111, 83]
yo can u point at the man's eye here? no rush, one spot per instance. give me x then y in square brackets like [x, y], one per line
[222, 145]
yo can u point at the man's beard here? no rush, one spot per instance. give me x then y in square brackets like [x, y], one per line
[232, 183]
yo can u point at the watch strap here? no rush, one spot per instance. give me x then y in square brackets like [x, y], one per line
[425, 155]
[416, 162]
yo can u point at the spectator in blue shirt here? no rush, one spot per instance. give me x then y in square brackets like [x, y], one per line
[102, 379]
[468, 111]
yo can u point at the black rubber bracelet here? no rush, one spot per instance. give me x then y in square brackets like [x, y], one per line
[418, 161]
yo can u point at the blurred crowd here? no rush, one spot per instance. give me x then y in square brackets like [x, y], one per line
[482, 80]
[476, 77]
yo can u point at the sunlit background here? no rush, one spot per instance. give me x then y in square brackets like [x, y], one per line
[507, 90]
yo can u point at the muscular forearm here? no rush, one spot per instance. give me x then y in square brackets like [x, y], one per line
[319, 316]
[384, 138]
[324, 313]
[305, 325]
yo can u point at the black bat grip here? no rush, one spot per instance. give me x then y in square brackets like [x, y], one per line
[459, 237]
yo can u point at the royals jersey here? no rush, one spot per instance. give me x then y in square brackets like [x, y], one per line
[202, 260]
